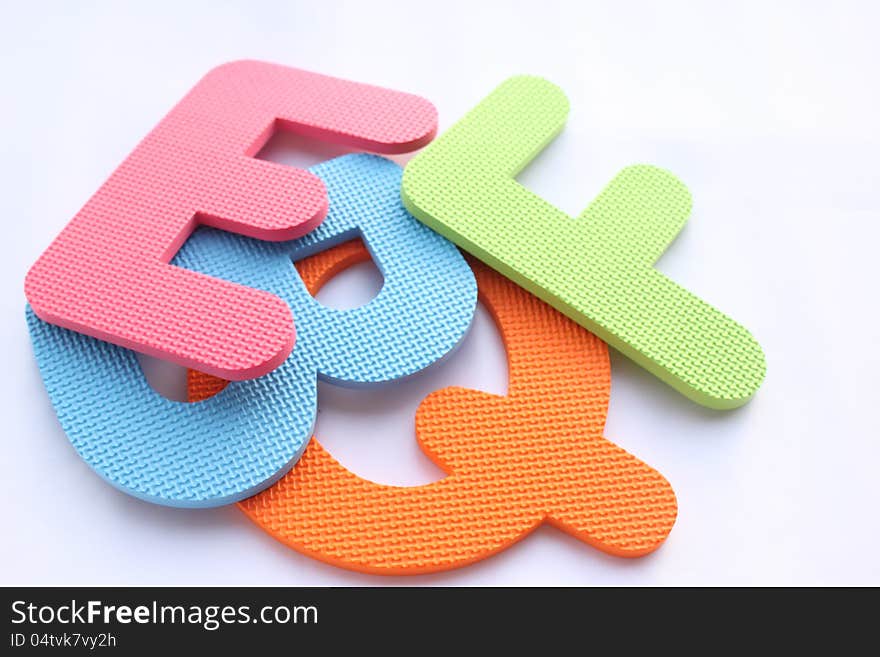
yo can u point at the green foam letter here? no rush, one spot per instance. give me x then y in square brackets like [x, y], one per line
[597, 268]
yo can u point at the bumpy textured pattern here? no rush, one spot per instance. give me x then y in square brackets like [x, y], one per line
[536, 455]
[107, 274]
[314, 271]
[239, 442]
[597, 268]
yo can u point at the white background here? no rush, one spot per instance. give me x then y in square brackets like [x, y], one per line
[769, 112]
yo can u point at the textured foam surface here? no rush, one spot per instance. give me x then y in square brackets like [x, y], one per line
[596, 268]
[536, 455]
[229, 447]
[107, 274]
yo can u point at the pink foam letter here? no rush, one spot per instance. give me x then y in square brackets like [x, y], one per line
[108, 274]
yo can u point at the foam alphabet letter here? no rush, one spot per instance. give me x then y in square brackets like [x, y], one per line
[107, 274]
[241, 441]
[512, 462]
[596, 268]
